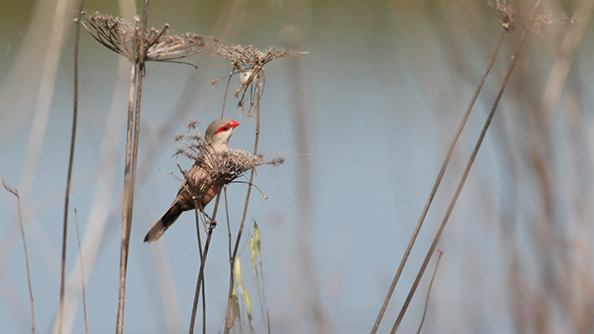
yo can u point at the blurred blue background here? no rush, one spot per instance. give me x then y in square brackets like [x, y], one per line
[382, 88]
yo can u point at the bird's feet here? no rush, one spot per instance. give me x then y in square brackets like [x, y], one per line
[210, 225]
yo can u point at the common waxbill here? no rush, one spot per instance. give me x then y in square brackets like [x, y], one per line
[216, 137]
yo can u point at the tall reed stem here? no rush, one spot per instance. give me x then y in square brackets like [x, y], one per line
[437, 184]
[228, 317]
[462, 180]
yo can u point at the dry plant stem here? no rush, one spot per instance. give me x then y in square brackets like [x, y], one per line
[136, 76]
[140, 76]
[70, 166]
[129, 198]
[27, 264]
[28, 268]
[200, 282]
[197, 209]
[82, 273]
[437, 183]
[429, 293]
[462, 180]
[226, 91]
[125, 238]
[18, 197]
[228, 222]
[229, 321]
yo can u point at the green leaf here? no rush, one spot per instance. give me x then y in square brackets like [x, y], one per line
[257, 237]
[248, 309]
[253, 253]
[237, 273]
[235, 303]
[248, 303]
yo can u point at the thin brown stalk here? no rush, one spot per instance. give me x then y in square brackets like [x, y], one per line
[140, 77]
[200, 282]
[228, 223]
[228, 317]
[437, 183]
[429, 293]
[70, 166]
[197, 209]
[131, 159]
[125, 239]
[82, 273]
[226, 91]
[18, 197]
[464, 177]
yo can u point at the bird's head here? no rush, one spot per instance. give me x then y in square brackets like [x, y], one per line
[218, 133]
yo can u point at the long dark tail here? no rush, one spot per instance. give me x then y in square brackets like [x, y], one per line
[163, 223]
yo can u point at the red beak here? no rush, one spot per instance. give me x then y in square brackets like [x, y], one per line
[233, 124]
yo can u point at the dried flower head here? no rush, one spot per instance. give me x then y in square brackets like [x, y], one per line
[230, 164]
[10, 189]
[504, 12]
[125, 39]
[248, 62]
[223, 167]
[511, 18]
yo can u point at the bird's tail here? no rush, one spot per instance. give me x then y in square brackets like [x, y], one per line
[163, 224]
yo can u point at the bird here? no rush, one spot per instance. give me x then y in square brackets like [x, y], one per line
[216, 139]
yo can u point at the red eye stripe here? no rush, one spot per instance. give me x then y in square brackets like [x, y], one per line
[229, 126]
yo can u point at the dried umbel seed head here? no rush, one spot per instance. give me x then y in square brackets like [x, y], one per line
[224, 166]
[248, 62]
[126, 38]
[511, 18]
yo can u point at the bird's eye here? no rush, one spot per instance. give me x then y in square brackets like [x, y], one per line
[226, 128]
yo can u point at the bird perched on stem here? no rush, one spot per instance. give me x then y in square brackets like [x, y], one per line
[198, 188]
